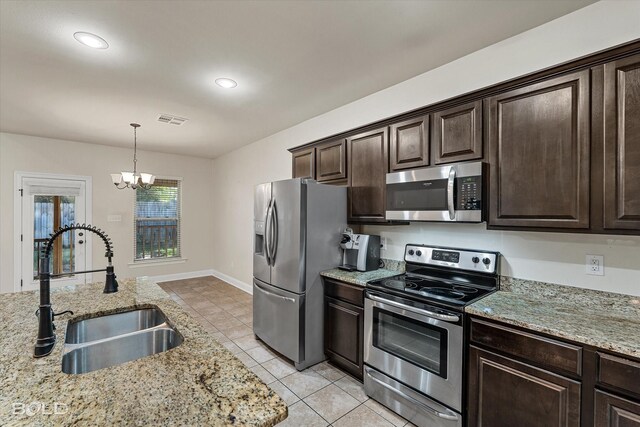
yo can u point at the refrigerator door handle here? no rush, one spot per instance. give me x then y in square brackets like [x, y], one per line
[271, 294]
[274, 219]
[267, 233]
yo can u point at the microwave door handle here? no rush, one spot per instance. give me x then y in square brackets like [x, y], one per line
[450, 187]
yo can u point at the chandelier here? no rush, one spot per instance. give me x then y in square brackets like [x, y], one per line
[133, 180]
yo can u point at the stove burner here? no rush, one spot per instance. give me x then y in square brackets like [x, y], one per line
[465, 289]
[398, 284]
[442, 292]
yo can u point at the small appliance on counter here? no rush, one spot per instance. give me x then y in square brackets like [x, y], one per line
[360, 252]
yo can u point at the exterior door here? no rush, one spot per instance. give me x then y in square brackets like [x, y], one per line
[287, 266]
[46, 205]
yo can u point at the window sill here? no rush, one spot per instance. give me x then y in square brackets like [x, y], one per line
[149, 263]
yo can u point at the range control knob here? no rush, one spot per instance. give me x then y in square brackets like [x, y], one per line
[419, 252]
[410, 251]
[486, 261]
[475, 259]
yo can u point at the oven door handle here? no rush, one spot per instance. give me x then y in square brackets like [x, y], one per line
[450, 187]
[412, 400]
[439, 316]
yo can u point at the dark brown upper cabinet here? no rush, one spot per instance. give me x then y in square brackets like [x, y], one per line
[368, 164]
[409, 144]
[304, 163]
[622, 144]
[457, 133]
[539, 151]
[331, 161]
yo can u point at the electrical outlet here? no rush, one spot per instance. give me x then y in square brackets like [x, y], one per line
[383, 243]
[595, 265]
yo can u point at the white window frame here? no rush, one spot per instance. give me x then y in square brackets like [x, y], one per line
[164, 260]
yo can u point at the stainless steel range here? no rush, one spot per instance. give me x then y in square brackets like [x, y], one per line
[414, 331]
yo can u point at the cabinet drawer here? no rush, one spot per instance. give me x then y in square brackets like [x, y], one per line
[353, 294]
[539, 350]
[618, 372]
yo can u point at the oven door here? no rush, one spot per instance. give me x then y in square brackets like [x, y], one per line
[416, 345]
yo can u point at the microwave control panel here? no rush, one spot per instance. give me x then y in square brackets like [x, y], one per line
[469, 193]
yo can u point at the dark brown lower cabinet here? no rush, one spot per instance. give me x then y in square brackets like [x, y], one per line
[343, 335]
[344, 326]
[507, 393]
[614, 411]
[518, 377]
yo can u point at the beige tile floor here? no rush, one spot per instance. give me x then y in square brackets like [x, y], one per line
[319, 396]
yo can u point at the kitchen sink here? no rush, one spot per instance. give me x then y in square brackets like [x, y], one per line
[111, 325]
[113, 339]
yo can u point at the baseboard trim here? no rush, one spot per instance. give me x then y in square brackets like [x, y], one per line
[193, 274]
[233, 281]
[179, 276]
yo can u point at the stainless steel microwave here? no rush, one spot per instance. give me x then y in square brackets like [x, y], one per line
[450, 193]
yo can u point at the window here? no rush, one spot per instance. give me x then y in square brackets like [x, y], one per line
[157, 221]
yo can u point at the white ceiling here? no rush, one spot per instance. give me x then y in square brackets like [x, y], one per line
[293, 60]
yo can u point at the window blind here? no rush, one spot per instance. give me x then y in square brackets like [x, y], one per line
[157, 220]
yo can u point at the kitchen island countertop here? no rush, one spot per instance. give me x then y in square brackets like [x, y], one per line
[198, 382]
[604, 320]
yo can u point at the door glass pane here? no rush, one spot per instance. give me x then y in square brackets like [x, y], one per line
[420, 343]
[50, 213]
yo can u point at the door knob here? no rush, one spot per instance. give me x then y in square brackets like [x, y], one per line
[80, 242]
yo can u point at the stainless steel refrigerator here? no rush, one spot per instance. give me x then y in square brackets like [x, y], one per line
[297, 228]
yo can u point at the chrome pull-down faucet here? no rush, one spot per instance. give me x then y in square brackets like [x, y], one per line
[46, 335]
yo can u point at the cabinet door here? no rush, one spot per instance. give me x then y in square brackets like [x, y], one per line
[539, 154]
[507, 393]
[622, 144]
[368, 160]
[409, 144]
[343, 335]
[331, 161]
[457, 133]
[304, 163]
[613, 411]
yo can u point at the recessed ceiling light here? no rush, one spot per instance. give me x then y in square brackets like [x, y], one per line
[226, 83]
[91, 40]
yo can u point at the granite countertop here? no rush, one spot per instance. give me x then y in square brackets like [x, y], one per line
[392, 268]
[197, 383]
[601, 319]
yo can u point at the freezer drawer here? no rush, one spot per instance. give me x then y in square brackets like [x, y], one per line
[278, 319]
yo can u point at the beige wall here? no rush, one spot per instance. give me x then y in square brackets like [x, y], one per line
[32, 154]
[543, 256]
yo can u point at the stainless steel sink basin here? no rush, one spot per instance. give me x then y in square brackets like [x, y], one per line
[111, 340]
[111, 325]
